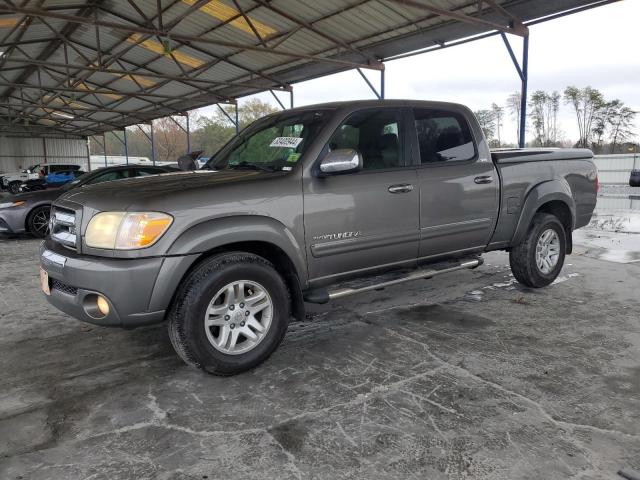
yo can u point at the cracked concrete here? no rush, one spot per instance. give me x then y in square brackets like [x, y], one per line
[465, 376]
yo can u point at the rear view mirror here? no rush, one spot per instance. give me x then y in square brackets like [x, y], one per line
[341, 161]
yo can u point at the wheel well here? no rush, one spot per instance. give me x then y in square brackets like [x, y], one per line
[280, 260]
[28, 216]
[562, 212]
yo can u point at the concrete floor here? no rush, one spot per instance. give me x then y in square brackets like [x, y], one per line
[464, 376]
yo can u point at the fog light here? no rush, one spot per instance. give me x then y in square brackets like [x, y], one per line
[103, 305]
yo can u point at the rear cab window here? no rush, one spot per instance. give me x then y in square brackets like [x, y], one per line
[443, 136]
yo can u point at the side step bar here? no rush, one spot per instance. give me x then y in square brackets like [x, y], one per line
[323, 296]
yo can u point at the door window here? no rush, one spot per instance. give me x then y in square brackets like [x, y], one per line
[443, 136]
[376, 134]
[106, 177]
[144, 172]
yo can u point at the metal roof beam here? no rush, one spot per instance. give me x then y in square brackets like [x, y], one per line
[90, 91]
[139, 70]
[314, 29]
[186, 39]
[516, 29]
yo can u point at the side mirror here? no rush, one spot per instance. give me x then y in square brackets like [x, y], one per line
[341, 161]
[186, 163]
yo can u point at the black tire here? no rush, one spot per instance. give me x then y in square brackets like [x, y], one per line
[38, 221]
[186, 316]
[14, 188]
[523, 257]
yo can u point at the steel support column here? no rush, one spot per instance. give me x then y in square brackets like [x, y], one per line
[523, 94]
[379, 94]
[188, 134]
[88, 156]
[153, 145]
[382, 84]
[104, 148]
[126, 146]
[523, 73]
[291, 98]
[237, 119]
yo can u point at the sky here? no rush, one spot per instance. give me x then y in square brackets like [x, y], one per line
[599, 47]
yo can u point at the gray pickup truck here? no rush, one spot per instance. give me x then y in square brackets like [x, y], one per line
[308, 205]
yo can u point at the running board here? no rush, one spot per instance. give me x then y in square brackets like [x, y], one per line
[323, 296]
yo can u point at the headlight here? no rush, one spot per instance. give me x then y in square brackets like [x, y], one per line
[126, 231]
[12, 204]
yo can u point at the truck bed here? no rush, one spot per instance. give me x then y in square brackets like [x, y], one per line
[525, 172]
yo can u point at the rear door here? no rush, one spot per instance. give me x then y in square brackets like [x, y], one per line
[365, 219]
[459, 187]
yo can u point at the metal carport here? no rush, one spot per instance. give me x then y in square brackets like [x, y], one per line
[79, 68]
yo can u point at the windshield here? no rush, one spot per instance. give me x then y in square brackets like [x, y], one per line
[74, 183]
[32, 168]
[275, 143]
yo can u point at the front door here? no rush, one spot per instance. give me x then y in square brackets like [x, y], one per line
[358, 221]
[459, 188]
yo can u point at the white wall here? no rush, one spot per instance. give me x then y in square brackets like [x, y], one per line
[16, 152]
[616, 168]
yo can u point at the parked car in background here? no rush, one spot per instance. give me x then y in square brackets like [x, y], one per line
[299, 202]
[13, 180]
[29, 212]
[634, 178]
[53, 180]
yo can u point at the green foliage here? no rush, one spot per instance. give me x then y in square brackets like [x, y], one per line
[487, 122]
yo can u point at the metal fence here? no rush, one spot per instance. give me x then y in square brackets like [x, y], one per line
[615, 169]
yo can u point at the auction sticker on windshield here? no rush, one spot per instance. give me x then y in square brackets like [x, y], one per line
[286, 142]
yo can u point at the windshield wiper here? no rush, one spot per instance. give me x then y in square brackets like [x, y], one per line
[251, 166]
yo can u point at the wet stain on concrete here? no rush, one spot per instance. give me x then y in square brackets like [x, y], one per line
[442, 315]
[291, 435]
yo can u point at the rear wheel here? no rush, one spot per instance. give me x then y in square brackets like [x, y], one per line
[14, 188]
[230, 314]
[537, 261]
[38, 221]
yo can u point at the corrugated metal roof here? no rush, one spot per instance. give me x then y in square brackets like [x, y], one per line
[83, 67]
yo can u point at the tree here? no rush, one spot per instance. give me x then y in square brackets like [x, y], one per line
[487, 122]
[621, 125]
[602, 123]
[544, 108]
[498, 113]
[213, 132]
[513, 106]
[587, 103]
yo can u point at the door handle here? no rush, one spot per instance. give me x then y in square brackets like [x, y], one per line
[401, 188]
[483, 179]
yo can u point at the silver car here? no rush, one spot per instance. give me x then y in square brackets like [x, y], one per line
[29, 212]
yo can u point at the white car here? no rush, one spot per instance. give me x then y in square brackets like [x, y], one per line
[11, 181]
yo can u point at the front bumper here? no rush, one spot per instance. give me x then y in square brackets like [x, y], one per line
[138, 291]
[13, 220]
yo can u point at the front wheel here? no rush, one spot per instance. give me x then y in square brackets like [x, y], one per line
[537, 261]
[229, 314]
[38, 221]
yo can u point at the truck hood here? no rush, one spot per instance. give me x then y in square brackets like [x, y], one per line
[159, 190]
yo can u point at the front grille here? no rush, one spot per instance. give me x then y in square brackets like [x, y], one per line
[63, 287]
[63, 227]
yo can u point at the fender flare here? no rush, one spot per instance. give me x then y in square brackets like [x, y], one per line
[552, 190]
[218, 232]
